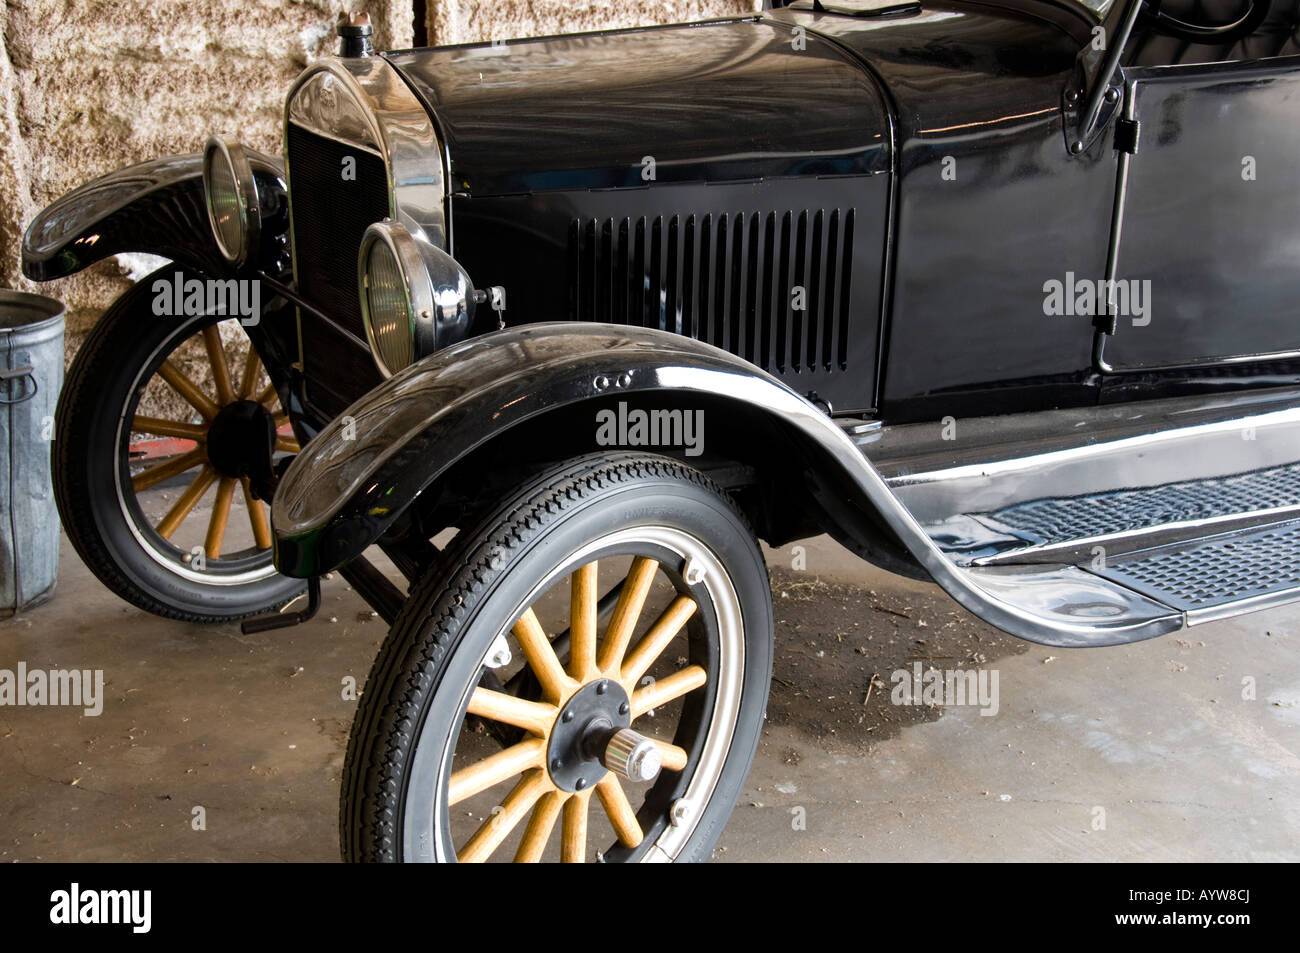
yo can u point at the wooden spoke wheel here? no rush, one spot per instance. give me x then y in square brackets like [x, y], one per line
[599, 705]
[588, 704]
[210, 448]
[156, 424]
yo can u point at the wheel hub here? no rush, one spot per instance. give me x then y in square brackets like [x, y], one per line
[582, 732]
[241, 439]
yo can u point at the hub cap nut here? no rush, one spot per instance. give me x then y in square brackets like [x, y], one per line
[633, 756]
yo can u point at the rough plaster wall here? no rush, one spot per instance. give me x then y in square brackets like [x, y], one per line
[90, 86]
[468, 21]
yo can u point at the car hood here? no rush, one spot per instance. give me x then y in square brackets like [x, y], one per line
[729, 100]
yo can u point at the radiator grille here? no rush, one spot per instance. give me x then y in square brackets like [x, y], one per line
[772, 288]
[333, 202]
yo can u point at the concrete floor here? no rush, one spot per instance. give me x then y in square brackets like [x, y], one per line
[1147, 752]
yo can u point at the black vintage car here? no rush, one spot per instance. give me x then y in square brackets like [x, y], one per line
[1000, 294]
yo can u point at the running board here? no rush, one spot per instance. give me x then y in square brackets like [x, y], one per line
[1073, 529]
[1221, 577]
[1151, 593]
[1109, 525]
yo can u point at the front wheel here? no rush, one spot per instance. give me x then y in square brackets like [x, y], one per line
[141, 523]
[594, 657]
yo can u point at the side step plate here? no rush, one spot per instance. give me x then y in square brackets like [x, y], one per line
[1125, 520]
[1220, 577]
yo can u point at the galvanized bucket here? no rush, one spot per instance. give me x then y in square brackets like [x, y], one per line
[31, 374]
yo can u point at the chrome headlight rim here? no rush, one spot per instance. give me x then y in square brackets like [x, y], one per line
[416, 286]
[440, 297]
[231, 152]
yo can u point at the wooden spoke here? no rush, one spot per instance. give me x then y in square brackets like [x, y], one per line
[220, 518]
[656, 640]
[623, 622]
[674, 758]
[287, 445]
[621, 816]
[666, 689]
[257, 517]
[538, 831]
[193, 493]
[497, 827]
[573, 831]
[281, 420]
[534, 796]
[249, 375]
[498, 706]
[169, 428]
[220, 369]
[269, 396]
[188, 389]
[166, 470]
[541, 657]
[504, 764]
[582, 623]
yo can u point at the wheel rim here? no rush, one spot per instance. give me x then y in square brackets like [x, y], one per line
[634, 641]
[157, 535]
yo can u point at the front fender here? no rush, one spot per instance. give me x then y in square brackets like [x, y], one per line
[354, 480]
[361, 473]
[156, 208]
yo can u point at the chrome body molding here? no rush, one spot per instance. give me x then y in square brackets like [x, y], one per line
[1272, 600]
[357, 477]
[364, 102]
[1131, 447]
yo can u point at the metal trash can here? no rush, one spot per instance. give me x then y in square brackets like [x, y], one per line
[31, 374]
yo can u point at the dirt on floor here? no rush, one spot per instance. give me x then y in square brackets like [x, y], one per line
[821, 623]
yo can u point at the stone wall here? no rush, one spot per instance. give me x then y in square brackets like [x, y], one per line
[88, 86]
[470, 21]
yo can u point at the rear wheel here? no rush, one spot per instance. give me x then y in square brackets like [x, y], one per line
[154, 502]
[582, 676]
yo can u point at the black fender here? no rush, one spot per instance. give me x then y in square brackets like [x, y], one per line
[369, 466]
[156, 208]
[394, 444]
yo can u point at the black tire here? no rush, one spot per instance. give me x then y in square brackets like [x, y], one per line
[90, 464]
[405, 731]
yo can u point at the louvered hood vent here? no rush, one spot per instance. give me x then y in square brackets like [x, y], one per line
[770, 287]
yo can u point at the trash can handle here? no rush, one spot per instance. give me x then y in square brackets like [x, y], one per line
[18, 373]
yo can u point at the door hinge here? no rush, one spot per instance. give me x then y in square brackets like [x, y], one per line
[1126, 135]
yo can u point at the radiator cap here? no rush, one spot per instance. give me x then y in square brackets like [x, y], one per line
[354, 35]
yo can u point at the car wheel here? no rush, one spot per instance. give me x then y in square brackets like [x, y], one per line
[612, 618]
[135, 522]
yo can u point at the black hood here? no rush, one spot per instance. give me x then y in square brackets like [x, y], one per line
[730, 100]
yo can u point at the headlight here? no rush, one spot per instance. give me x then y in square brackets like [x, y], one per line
[231, 194]
[415, 298]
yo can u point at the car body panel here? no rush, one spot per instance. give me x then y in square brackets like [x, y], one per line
[1218, 158]
[685, 178]
[991, 204]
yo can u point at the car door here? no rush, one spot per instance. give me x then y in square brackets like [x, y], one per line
[1207, 260]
